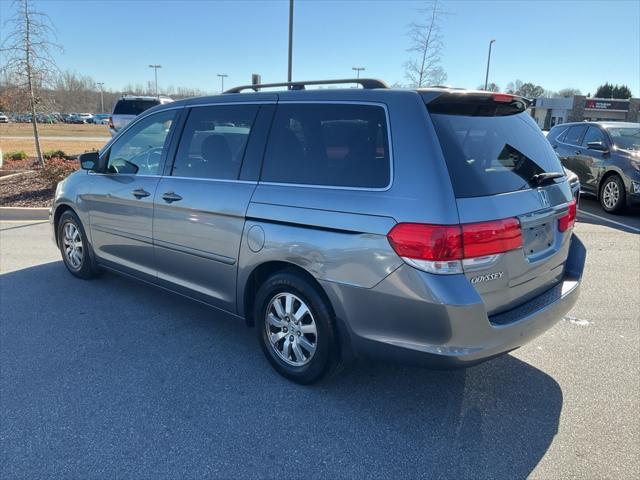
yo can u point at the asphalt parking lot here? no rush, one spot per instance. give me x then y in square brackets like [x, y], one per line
[113, 378]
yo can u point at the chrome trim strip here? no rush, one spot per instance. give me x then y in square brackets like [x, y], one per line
[123, 175]
[336, 187]
[120, 233]
[193, 251]
[218, 180]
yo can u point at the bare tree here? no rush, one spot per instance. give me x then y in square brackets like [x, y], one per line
[27, 52]
[492, 87]
[426, 43]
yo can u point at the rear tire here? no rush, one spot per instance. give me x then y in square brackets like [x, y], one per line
[295, 328]
[74, 247]
[612, 194]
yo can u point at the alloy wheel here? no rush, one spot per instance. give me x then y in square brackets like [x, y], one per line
[610, 194]
[291, 329]
[72, 245]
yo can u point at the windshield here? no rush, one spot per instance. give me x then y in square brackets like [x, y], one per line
[134, 107]
[625, 137]
[488, 155]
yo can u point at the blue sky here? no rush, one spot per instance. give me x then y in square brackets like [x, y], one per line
[555, 44]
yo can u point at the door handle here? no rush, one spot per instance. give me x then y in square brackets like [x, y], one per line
[578, 152]
[170, 197]
[140, 193]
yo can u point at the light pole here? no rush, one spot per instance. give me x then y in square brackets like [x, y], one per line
[486, 78]
[222, 75]
[358, 70]
[155, 71]
[289, 70]
[100, 84]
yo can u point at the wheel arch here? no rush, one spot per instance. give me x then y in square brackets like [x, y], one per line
[59, 210]
[263, 271]
[609, 173]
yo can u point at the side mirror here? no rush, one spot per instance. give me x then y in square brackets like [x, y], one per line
[600, 146]
[89, 161]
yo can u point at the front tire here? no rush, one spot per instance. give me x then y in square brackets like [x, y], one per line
[74, 246]
[612, 194]
[295, 328]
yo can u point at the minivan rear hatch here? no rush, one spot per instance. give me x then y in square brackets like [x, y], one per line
[504, 174]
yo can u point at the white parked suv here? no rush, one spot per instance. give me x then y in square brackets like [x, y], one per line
[129, 107]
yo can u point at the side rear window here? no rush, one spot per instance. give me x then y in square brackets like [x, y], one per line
[213, 142]
[133, 107]
[489, 155]
[593, 135]
[557, 133]
[574, 134]
[342, 145]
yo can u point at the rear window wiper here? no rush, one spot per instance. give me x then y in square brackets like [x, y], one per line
[541, 178]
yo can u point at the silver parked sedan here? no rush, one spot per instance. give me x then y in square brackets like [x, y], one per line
[432, 226]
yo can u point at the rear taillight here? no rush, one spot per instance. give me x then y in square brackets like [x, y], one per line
[442, 248]
[566, 221]
[110, 122]
[427, 242]
[490, 238]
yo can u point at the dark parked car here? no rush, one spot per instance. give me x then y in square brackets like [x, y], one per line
[606, 158]
[428, 226]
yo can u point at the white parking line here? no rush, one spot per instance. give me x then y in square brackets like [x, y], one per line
[605, 219]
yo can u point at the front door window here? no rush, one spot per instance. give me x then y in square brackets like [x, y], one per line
[139, 150]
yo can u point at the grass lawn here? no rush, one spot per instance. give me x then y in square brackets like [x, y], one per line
[54, 130]
[69, 147]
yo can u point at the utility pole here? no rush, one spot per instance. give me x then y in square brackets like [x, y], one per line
[222, 76]
[358, 70]
[100, 85]
[155, 70]
[486, 78]
[290, 40]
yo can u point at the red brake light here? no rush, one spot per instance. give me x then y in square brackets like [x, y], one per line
[427, 242]
[489, 238]
[110, 122]
[441, 248]
[502, 97]
[566, 222]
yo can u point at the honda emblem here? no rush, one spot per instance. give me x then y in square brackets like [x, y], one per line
[544, 198]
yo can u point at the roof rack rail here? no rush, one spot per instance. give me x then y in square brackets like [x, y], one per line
[367, 83]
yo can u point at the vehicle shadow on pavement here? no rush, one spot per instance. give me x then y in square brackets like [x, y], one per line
[111, 377]
[628, 221]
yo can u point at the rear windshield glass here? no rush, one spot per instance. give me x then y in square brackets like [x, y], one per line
[487, 155]
[133, 107]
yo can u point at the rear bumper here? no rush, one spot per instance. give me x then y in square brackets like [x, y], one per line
[440, 321]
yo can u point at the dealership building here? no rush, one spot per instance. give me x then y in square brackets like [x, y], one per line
[549, 112]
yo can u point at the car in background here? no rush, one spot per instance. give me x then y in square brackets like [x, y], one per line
[46, 118]
[129, 107]
[100, 119]
[85, 117]
[606, 158]
[3, 118]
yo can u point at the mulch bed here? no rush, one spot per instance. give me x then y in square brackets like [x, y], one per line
[26, 190]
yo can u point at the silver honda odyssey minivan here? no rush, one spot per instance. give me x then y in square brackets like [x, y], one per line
[430, 226]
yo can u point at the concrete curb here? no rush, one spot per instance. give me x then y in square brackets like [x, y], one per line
[13, 175]
[26, 214]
